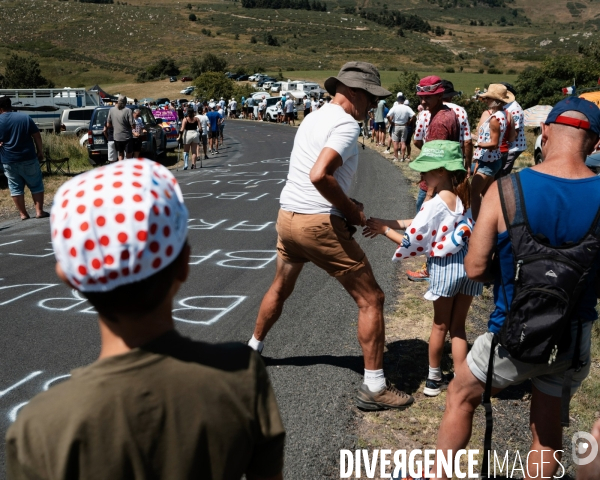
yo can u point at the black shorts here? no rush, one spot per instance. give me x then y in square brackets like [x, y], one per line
[306, 111]
[213, 134]
[125, 146]
[136, 144]
[289, 115]
[232, 113]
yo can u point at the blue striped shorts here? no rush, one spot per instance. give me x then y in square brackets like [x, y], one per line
[447, 277]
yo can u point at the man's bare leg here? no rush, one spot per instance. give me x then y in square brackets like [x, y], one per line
[20, 204]
[38, 201]
[271, 306]
[369, 298]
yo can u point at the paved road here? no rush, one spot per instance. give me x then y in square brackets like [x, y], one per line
[312, 354]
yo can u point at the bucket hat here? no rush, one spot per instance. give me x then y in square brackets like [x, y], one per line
[449, 89]
[439, 154]
[361, 75]
[574, 104]
[431, 85]
[497, 91]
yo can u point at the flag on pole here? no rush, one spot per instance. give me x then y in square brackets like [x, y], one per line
[569, 90]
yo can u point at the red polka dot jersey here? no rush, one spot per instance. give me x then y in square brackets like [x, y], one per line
[118, 224]
[436, 231]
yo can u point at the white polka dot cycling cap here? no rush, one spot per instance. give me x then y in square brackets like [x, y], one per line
[118, 224]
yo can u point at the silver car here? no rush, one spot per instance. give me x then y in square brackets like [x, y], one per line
[75, 121]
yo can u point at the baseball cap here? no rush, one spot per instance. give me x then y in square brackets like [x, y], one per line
[509, 87]
[361, 75]
[439, 154]
[211, 105]
[431, 85]
[118, 224]
[574, 104]
[399, 94]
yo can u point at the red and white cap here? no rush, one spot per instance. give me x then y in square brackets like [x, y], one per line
[118, 224]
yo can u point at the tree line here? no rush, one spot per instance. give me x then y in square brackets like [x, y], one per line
[395, 19]
[315, 5]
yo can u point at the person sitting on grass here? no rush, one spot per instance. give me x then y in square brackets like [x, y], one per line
[440, 230]
[155, 405]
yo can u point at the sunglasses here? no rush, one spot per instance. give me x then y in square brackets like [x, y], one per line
[428, 88]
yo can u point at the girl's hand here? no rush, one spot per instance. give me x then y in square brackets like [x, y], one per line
[376, 226]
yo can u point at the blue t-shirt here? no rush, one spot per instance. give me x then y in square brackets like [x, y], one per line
[563, 211]
[16, 130]
[213, 118]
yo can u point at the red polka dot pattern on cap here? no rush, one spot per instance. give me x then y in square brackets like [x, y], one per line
[118, 224]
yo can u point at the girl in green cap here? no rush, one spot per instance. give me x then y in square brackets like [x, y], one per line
[440, 231]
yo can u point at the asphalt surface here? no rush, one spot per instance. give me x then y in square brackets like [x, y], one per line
[312, 353]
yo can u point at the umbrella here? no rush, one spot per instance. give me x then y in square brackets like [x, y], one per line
[536, 115]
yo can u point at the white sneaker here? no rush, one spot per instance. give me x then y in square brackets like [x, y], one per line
[387, 152]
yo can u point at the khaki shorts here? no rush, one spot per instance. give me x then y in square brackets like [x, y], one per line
[546, 378]
[325, 240]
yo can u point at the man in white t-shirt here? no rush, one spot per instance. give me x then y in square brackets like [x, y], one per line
[519, 145]
[233, 108]
[315, 223]
[205, 124]
[314, 105]
[400, 116]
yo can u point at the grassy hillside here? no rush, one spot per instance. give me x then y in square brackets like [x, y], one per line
[79, 44]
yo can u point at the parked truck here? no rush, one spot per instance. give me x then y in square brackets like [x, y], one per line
[45, 105]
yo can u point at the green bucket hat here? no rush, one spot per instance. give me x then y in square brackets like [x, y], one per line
[439, 154]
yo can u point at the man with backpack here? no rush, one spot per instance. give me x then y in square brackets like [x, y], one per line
[545, 274]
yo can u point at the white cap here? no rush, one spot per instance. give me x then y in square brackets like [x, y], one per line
[399, 94]
[406, 102]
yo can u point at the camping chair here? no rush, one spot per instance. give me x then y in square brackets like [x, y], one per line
[56, 165]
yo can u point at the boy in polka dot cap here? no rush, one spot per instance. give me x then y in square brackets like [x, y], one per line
[155, 403]
[118, 224]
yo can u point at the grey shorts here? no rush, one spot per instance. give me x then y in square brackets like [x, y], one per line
[112, 152]
[400, 134]
[546, 378]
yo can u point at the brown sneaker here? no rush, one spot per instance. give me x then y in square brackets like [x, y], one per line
[388, 397]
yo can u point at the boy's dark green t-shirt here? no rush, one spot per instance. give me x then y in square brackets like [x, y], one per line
[174, 409]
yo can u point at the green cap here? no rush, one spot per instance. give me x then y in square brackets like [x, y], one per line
[439, 154]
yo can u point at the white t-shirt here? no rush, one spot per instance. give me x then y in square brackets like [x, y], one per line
[518, 118]
[314, 106]
[233, 105]
[205, 122]
[289, 106]
[222, 113]
[400, 114]
[328, 127]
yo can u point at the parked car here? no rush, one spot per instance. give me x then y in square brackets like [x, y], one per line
[173, 79]
[242, 78]
[76, 121]
[186, 79]
[275, 87]
[264, 80]
[271, 112]
[188, 90]
[162, 101]
[256, 77]
[154, 142]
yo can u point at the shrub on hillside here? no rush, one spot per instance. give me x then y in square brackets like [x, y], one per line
[163, 68]
[214, 85]
[192, 17]
[406, 84]
[23, 72]
[208, 63]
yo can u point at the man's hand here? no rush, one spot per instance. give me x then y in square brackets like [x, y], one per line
[357, 217]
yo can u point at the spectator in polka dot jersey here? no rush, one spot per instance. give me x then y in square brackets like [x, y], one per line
[440, 230]
[119, 234]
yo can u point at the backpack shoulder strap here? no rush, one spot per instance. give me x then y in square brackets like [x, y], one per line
[511, 195]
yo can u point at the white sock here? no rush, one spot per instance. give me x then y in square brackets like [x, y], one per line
[435, 373]
[374, 380]
[255, 344]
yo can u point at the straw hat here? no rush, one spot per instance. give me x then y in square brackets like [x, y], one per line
[497, 91]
